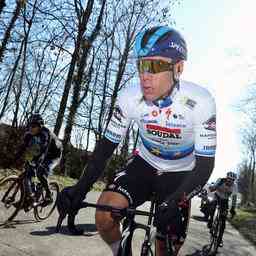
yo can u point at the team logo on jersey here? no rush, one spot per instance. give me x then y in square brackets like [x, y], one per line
[168, 113]
[118, 114]
[210, 124]
[190, 103]
[154, 113]
[212, 147]
[163, 132]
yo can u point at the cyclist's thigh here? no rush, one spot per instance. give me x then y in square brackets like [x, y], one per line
[133, 182]
[167, 183]
[113, 199]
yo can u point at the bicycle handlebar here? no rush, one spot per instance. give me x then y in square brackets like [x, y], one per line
[123, 212]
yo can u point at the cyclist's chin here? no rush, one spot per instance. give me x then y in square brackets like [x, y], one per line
[149, 96]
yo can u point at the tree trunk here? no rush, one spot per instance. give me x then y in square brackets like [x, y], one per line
[75, 56]
[7, 34]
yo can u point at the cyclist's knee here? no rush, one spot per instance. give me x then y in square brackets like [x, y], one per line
[104, 220]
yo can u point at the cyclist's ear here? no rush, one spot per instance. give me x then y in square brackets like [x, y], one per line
[179, 67]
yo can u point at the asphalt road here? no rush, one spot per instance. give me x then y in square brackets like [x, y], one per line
[26, 237]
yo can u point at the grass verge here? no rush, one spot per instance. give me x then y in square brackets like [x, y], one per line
[245, 222]
[61, 180]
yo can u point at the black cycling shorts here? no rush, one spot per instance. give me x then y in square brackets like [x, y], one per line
[139, 179]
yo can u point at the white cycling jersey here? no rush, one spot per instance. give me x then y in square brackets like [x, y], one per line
[223, 190]
[173, 130]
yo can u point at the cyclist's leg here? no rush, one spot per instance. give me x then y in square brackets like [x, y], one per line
[30, 173]
[108, 227]
[130, 187]
[166, 184]
[42, 174]
[46, 169]
[224, 211]
[212, 209]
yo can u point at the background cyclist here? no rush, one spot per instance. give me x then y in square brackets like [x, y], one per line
[223, 189]
[44, 150]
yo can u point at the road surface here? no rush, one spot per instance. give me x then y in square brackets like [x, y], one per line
[29, 238]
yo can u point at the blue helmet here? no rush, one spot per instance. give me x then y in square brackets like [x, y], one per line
[161, 41]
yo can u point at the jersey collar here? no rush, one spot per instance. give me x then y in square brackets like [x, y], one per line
[168, 100]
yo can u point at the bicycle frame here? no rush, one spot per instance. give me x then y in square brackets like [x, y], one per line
[216, 229]
[130, 225]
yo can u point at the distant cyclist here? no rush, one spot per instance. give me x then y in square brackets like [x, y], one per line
[223, 189]
[44, 150]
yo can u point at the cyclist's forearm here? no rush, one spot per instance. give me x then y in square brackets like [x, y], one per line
[234, 201]
[96, 166]
[198, 177]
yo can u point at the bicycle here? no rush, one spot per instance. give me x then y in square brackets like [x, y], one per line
[130, 225]
[13, 197]
[216, 231]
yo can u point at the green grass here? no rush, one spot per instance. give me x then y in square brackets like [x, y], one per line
[245, 222]
[66, 181]
[61, 180]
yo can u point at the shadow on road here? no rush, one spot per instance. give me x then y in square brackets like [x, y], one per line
[89, 230]
[14, 223]
[199, 218]
[203, 252]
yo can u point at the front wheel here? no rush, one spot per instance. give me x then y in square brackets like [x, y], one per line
[11, 198]
[43, 210]
[215, 234]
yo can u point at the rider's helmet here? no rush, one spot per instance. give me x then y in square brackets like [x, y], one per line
[36, 119]
[161, 41]
[231, 175]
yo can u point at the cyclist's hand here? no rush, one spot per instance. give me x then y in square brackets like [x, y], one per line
[232, 212]
[165, 213]
[68, 204]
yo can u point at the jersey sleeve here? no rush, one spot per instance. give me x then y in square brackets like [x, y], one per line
[120, 119]
[205, 126]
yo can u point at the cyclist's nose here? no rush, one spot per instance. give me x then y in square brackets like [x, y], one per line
[145, 76]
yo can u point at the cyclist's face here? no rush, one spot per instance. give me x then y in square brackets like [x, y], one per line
[34, 129]
[229, 181]
[157, 85]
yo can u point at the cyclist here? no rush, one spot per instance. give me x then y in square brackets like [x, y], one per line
[223, 189]
[176, 152]
[44, 150]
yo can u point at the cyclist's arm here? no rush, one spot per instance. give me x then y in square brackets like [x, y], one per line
[216, 185]
[115, 131]
[46, 139]
[95, 166]
[204, 122]
[198, 177]
[234, 196]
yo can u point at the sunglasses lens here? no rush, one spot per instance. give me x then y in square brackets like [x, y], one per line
[153, 66]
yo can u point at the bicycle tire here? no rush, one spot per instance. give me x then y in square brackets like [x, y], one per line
[42, 212]
[11, 184]
[215, 233]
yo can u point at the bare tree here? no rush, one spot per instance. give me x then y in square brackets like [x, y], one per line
[19, 5]
[2, 5]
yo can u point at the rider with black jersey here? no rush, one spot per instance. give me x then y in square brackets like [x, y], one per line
[44, 151]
